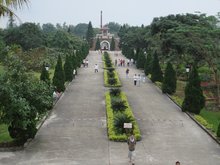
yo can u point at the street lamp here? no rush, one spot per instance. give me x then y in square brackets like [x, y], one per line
[187, 70]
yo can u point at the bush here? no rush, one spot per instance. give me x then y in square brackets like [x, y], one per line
[115, 91]
[111, 74]
[194, 100]
[218, 131]
[202, 121]
[112, 81]
[111, 69]
[169, 81]
[118, 105]
[119, 120]
[20, 134]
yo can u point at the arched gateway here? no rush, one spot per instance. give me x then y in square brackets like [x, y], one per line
[105, 45]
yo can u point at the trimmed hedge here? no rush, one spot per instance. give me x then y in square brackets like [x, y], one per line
[112, 70]
[110, 119]
[106, 79]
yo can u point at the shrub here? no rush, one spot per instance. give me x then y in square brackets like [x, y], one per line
[218, 131]
[202, 121]
[194, 100]
[169, 81]
[156, 73]
[118, 105]
[111, 74]
[108, 63]
[111, 69]
[112, 81]
[119, 120]
[115, 91]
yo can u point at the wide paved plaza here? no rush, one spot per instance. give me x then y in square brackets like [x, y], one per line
[75, 133]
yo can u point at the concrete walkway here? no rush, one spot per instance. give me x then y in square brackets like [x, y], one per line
[75, 133]
[168, 133]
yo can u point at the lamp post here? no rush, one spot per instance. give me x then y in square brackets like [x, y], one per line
[187, 71]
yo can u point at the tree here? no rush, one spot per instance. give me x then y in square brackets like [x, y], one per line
[141, 59]
[112, 44]
[218, 131]
[68, 69]
[59, 76]
[81, 29]
[156, 73]
[28, 35]
[148, 65]
[169, 81]
[194, 100]
[45, 74]
[114, 27]
[90, 34]
[23, 98]
[5, 6]
[97, 45]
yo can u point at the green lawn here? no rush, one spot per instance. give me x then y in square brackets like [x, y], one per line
[4, 135]
[51, 71]
[211, 117]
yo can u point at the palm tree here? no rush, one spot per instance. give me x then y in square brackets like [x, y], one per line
[7, 5]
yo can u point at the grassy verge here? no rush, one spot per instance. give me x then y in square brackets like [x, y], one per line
[212, 118]
[110, 120]
[4, 135]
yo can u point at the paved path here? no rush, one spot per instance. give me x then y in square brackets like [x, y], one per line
[168, 133]
[75, 133]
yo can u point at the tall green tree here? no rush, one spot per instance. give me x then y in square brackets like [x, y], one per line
[59, 76]
[23, 98]
[112, 44]
[68, 69]
[45, 74]
[156, 73]
[218, 131]
[6, 5]
[90, 34]
[141, 59]
[97, 45]
[194, 100]
[28, 35]
[169, 81]
[148, 64]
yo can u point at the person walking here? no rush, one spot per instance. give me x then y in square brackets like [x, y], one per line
[131, 148]
[177, 163]
[139, 80]
[127, 72]
[87, 63]
[116, 62]
[135, 79]
[96, 68]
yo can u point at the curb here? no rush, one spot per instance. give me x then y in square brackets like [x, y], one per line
[201, 126]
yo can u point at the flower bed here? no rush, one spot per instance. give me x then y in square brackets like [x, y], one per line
[108, 67]
[112, 133]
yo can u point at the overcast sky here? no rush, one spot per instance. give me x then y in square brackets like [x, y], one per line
[133, 12]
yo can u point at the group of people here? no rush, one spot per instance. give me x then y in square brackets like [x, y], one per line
[85, 63]
[122, 62]
[137, 80]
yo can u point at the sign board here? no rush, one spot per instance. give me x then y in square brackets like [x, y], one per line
[127, 125]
